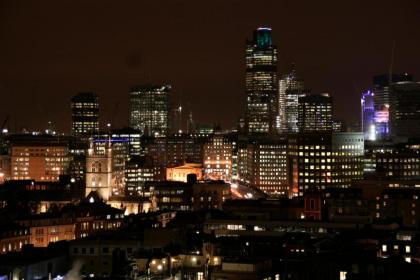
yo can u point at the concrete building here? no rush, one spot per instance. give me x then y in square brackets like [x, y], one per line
[321, 160]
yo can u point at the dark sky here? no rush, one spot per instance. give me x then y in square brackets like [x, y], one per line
[50, 50]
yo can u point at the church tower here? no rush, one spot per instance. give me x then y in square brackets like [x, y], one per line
[99, 169]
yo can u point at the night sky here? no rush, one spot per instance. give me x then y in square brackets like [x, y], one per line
[50, 50]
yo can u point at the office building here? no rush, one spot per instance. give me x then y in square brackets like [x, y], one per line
[138, 171]
[38, 157]
[382, 100]
[263, 165]
[150, 109]
[85, 113]
[368, 115]
[261, 83]
[176, 150]
[324, 159]
[217, 158]
[382, 91]
[315, 113]
[290, 89]
[391, 161]
[405, 110]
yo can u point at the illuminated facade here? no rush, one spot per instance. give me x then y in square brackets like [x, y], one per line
[41, 162]
[290, 89]
[176, 150]
[150, 109]
[368, 115]
[180, 173]
[217, 158]
[390, 161]
[137, 172]
[85, 113]
[99, 170]
[261, 83]
[405, 110]
[321, 160]
[263, 165]
[315, 113]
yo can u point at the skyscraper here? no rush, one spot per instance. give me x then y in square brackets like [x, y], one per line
[381, 88]
[261, 83]
[368, 115]
[315, 113]
[85, 113]
[150, 109]
[382, 94]
[290, 89]
[405, 109]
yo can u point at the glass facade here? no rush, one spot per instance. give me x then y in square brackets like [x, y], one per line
[261, 83]
[150, 109]
[290, 89]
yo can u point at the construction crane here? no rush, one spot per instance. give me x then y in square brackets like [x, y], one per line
[3, 125]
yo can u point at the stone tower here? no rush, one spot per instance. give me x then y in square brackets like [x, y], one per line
[99, 169]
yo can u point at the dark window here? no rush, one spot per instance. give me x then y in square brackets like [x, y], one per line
[91, 250]
[105, 250]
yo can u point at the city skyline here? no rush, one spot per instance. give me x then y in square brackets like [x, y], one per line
[88, 52]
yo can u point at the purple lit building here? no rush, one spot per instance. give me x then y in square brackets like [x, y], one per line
[368, 115]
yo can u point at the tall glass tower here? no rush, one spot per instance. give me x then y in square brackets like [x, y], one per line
[368, 115]
[150, 109]
[290, 89]
[261, 83]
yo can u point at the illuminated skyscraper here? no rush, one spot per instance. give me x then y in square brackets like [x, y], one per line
[261, 83]
[150, 109]
[315, 113]
[290, 89]
[85, 113]
[368, 115]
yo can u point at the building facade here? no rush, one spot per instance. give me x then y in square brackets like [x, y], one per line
[321, 160]
[290, 89]
[382, 100]
[405, 110]
[315, 113]
[261, 83]
[99, 170]
[85, 113]
[150, 109]
[263, 165]
[217, 158]
[39, 158]
[368, 115]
